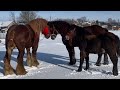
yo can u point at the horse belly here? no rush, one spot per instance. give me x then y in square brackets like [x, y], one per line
[94, 47]
[29, 42]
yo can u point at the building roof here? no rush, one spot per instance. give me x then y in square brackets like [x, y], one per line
[5, 23]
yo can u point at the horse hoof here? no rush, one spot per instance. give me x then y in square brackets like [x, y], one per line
[98, 64]
[10, 72]
[29, 63]
[21, 72]
[72, 63]
[115, 73]
[35, 63]
[105, 63]
[79, 70]
[86, 69]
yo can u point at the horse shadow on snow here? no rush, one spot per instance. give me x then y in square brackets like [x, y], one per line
[61, 61]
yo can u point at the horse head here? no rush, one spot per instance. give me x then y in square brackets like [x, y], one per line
[46, 32]
[53, 30]
[40, 25]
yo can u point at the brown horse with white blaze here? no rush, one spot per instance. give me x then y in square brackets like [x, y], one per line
[24, 36]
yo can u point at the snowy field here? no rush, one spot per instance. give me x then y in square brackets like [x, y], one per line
[53, 58]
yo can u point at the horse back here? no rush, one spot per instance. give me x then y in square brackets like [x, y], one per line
[21, 33]
[95, 29]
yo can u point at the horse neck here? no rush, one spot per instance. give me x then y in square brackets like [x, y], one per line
[60, 30]
[38, 25]
[79, 33]
[30, 29]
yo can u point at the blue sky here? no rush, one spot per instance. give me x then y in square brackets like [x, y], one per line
[91, 15]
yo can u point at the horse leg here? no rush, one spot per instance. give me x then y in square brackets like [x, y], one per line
[34, 60]
[111, 50]
[87, 61]
[82, 56]
[114, 60]
[106, 62]
[29, 61]
[99, 59]
[20, 70]
[8, 70]
[71, 52]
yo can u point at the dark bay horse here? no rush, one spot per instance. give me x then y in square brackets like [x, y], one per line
[24, 37]
[78, 36]
[62, 27]
[98, 30]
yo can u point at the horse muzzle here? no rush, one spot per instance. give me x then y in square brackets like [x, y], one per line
[47, 36]
[67, 37]
[53, 36]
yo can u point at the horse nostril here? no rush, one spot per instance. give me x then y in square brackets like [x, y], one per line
[67, 37]
[53, 37]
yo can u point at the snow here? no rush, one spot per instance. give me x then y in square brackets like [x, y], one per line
[5, 23]
[53, 58]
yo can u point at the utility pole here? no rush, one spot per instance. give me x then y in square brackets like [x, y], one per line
[50, 18]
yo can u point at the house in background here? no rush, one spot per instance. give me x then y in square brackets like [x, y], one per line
[4, 25]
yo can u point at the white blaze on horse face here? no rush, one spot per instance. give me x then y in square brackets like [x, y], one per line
[67, 37]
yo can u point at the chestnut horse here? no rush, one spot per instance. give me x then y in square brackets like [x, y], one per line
[62, 27]
[80, 37]
[24, 37]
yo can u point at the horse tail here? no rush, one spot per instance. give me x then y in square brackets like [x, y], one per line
[116, 40]
[117, 43]
[10, 36]
[10, 32]
[118, 48]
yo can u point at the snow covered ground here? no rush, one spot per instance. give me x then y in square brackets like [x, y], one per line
[53, 58]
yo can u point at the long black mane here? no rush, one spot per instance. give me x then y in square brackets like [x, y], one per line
[61, 26]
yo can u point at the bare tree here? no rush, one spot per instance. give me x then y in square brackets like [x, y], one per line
[26, 16]
[13, 17]
[110, 20]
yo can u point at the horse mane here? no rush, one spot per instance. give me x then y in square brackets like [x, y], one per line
[38, 25]
[58, 23]
[60, 26]
[80, 30]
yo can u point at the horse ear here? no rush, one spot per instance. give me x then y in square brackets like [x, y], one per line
[48, 23]
[73, 30]
[53, 27]
[90, 37]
